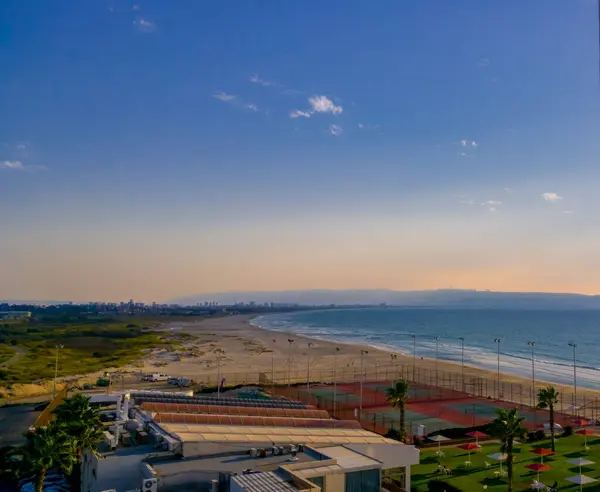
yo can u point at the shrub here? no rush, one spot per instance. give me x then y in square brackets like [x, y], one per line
[540, 435]
[441, 486]
[393, 434]
[531, 437]
[568, 431]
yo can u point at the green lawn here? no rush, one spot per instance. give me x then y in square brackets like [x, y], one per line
[475, 477]
[6, 352]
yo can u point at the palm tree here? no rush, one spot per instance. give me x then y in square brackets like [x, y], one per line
[507, 426]
[82, 421]
[48, 447]
[396, 398]
[547, 399]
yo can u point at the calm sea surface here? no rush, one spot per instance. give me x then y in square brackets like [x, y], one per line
[392, 328]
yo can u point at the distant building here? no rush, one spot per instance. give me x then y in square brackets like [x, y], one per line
[15, 314]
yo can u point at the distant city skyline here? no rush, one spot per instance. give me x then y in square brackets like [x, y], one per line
[157, 151]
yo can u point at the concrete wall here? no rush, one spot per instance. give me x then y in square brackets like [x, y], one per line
[335, 482]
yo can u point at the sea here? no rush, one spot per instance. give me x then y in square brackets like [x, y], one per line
[392, 329]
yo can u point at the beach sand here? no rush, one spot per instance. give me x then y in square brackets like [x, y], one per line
[233, 348]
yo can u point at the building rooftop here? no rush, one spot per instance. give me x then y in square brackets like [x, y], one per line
[279, 435]
[263, 482]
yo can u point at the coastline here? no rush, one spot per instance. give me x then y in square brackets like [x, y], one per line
[232, 346]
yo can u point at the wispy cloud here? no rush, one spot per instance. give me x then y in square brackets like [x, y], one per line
[568, 212]
[19, 166]
[484, 62]
[135, 7]
[469, 143]
[21, 146]
[255, 79]
[551, 197]
[223, 96]
[492, 203]
[144, 25]
[300, 114]
[336, 130]
[251, 107]
[467, 201]
[507, 190]
[322, 104]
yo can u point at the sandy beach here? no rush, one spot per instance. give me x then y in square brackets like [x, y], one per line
[233, 348]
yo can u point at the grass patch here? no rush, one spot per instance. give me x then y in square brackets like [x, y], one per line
[6, 352]
[90, 344]
[475, 477]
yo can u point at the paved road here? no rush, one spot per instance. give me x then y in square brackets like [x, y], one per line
[14, 421]
[20, 353]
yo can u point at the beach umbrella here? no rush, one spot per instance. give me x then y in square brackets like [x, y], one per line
[581, 422]
[439, 439]
[538, 467]
[477, 435]
[581, 480]
[469, 447]
[585, 433]
[580, 462]
[543, 452]
[498, 457]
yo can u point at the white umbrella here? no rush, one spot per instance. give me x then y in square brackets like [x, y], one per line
[439, 439]
[581, 462]
[498, 457]
[581, 480]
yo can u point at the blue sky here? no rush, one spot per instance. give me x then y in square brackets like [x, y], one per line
[434, 143]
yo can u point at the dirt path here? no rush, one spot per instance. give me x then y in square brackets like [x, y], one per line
[20, 353]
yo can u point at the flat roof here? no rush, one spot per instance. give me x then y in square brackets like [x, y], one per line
[263, 482]
[347, 460]
[279, 435]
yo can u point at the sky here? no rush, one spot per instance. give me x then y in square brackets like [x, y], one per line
[153, 149]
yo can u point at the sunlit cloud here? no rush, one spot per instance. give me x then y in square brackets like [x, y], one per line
[336, 130]
[223, 96]
[255, 79]
[322, 104]
[19, 166]
[144, 25]
[551, 197]
[251, 107]
[300, 114]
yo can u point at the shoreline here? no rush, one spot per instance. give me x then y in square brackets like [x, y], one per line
[232, 346]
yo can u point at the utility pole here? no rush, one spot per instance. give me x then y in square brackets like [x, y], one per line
[574, 346]
[58, 347]
[362, 377]
[498, 342]
[290, 341]
[532, 345]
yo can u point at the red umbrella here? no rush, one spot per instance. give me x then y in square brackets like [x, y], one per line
[476, 435]
[581, 422]
[543, 452]
[538, 467]
[586, 432]
[469, 446]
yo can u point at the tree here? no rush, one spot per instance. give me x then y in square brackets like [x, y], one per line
[48, 447]
[507, 426]
[82, 421]
[396, 398]
[547, 399]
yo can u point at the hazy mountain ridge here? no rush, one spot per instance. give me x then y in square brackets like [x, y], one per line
[425, 298]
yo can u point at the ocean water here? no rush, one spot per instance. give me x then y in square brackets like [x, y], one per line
[391, 328]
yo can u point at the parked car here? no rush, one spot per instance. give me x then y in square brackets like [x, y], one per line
[158, 377]
[173, 381]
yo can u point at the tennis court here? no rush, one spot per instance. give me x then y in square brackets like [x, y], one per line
[488, 410]
[390, 417]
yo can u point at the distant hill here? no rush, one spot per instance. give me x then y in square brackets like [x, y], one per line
[425, 298]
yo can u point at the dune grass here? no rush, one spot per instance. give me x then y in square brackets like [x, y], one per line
[475, 477]
[6, 353]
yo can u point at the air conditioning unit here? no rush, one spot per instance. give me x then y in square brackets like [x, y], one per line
[150, 485]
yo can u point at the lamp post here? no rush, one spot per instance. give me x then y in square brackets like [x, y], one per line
[337, 349]
[498, 341]
[532, 345]
[58, 347]
[437, 347]
[462, 362]
[362, 376]
[414, 337]
[394, 357]
[290, 341]
[310, 344]
[574, 346]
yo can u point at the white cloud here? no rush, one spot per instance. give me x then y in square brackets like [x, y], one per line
[135, 7]
[300, 114]
[468, 201]
[144, 25]
[464, 143]
[19, 166]
[336, 130]
[469, 143]
[474, 144]
[493, 203]
[484, 62]
[492, 209]
[255, 79]
[507, 190]
[13, 165]
[223, 96]
[551, 197]
[568, 212]
[21, 146]
[251, 107]
[361, 126]
[463, 154]
[322, 104]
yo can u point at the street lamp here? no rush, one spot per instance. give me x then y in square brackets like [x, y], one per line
[532, 345]
[574, 346]
[58, 347]
[414, 337]
[437, 374]
[337, 349]
[394, 357]
[362, 354]
[462, 362]
[290, 341]
[498, 341]
[310, 344]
